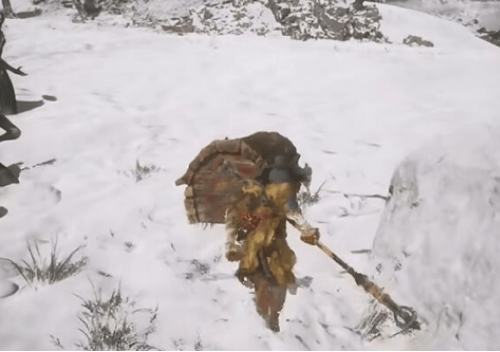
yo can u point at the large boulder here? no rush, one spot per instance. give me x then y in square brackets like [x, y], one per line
[438, 242]
[228, 17]
[299, 19]
[327, 19]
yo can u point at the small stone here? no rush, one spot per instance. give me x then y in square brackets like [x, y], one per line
[413, 40]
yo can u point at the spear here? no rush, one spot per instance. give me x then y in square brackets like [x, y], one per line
[405, 317]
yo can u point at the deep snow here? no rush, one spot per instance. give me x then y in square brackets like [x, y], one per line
[353, 110]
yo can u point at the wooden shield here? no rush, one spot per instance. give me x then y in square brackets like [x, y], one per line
[214, 179]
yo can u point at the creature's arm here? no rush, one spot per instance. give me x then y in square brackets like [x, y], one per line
[17, 71]
[308, 234]
[234, 248]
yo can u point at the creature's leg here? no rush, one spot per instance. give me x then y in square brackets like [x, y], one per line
[281, 258]
[269, 299]
[278, 295]
[281, 262]
[8, 103]
[254, 243]
[264, 265]
[11, 131]
[9, 175]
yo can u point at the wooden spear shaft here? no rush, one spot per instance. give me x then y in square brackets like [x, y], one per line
[404, 317]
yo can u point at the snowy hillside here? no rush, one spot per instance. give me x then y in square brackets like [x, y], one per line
[486, 12]
[124, 110]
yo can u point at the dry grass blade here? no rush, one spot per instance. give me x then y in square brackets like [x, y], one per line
[142, 172]
[64, 269]
[108, 324]
[39, 272]
[305, 198]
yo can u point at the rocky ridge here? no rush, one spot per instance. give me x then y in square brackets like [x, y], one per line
[298, 19]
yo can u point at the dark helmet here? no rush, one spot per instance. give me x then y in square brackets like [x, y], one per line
[281, 158]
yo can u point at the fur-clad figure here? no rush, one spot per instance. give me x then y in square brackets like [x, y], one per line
[250, 184]
[256, 227]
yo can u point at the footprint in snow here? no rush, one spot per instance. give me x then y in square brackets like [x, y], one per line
[7, 271]
[37, 196]
[7, 288]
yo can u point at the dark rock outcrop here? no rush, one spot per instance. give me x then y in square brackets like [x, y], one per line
[227, 17]
[490, 36]
[298, 19]
[413, 40]
[327, 19]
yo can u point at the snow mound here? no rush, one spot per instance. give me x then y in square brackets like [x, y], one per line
[438, 238]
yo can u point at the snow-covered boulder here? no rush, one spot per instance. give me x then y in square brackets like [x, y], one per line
[327, 19]
[439, 239]
[229, 17]
[299, 19]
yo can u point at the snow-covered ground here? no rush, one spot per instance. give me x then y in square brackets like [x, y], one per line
[126, 95]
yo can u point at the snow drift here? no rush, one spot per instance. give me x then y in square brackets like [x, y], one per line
[439, 238]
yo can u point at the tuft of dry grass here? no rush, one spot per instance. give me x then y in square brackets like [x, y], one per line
[109, 324]
[306, 198]
[47, 269]
[141, 172]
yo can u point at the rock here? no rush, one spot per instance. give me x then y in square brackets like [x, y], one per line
[366, 24]
[67, 3]
[490, 36]
[327, 19]
[335, 22]
[228, 17]
[91, 8]
[298, 19]
[438, 239]
[179, 26]
[413, 40]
